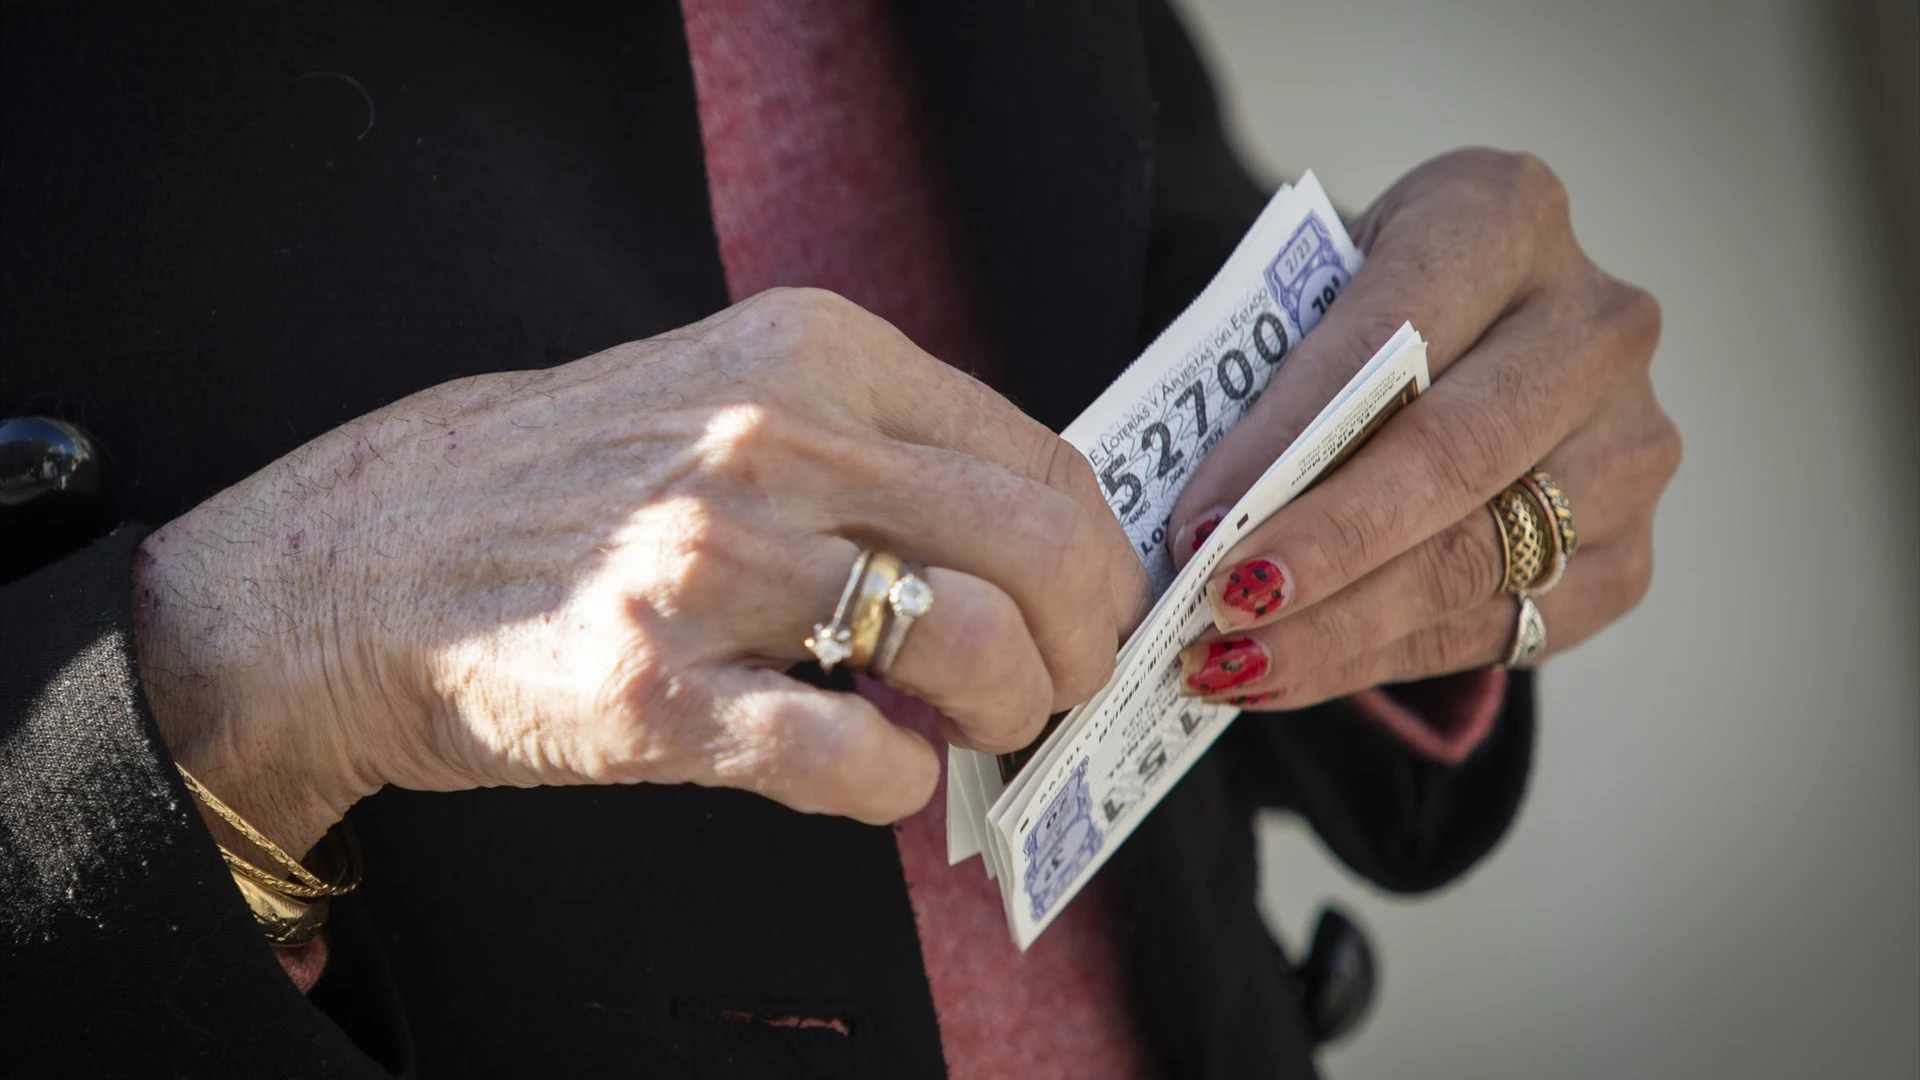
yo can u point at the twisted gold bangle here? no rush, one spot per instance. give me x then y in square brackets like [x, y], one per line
[288, 912]
[305, 885]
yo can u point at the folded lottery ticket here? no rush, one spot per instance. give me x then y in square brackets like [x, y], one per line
[1046, 820]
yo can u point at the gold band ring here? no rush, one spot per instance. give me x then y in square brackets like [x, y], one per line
[878, 605]
[1562, 538]
[869, 616]
[1537, 534]
[1523, 539]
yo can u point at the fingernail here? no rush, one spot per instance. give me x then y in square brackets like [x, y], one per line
[1252, 700]
[1196, 537]
[1218, 666]
[1249, 592]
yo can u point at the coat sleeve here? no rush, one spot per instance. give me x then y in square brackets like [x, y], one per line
[1392, 812]
[1398, 818]
[127, 950]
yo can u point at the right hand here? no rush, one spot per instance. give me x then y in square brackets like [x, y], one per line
[597, 574]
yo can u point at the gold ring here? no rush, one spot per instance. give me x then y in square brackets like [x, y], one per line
[1563, 539]
[860, 620]
[869, 616]
[1523, 541]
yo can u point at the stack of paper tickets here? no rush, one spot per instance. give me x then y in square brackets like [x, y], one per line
[1044, 829]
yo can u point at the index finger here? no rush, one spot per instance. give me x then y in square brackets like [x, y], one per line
[1451, 275]
[1517, 394]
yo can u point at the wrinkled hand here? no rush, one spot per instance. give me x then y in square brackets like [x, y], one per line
[1389, 570]
[598, 573]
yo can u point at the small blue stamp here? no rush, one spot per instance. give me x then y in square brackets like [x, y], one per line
[1061, 844]
[1307, 274]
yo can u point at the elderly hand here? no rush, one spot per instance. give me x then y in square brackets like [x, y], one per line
[598, 573]
[1389, 570]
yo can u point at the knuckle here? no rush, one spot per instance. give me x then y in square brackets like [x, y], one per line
[1669, 448]
[1072, 563]
[1636, 575]
[804, 305]
[1058, 533]
[983, 652]
[1467, 446]
[1081, 674]
[978, 640]
[1633, 320]
[1420, 654]
[1449, 647]
[1464, 564]
[739, 435]
[1341, 542]
[1535, 183]
[1458, 646]
[1059, 466]
[1077, 664]
[794, 320]
[1652, 456]
[1323, 636]
[844, 764]
[1330, 682]
[701, 557]
[758, 446]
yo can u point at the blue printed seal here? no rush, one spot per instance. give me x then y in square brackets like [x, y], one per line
[1061, 844]
[1307, 274]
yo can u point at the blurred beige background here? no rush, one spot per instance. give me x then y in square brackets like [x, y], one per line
[1718, 870]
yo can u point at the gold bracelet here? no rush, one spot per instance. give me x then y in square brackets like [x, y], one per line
[286, 922]
[254, 836]
[288, 912]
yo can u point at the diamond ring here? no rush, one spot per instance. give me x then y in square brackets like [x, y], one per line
[878, 605]
[907, 599]
[832, 641]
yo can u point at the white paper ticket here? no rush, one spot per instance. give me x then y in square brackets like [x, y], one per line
[1111, 760]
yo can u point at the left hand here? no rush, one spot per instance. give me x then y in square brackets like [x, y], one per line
[1389, 570]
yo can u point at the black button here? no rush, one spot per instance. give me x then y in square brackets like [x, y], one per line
[42, 458]
[1339, 977]
[50, 495]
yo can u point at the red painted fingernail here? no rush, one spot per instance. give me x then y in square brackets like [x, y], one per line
[1198, 537]
[1218, 666]
[1251, 700]
[1254, 589]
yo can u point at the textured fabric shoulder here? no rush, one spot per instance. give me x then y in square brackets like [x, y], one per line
[119, 926]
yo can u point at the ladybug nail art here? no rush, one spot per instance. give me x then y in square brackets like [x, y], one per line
[1219, 666]
[1256, 587]
[1204, 530]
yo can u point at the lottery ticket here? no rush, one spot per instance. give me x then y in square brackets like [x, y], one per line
[1149, 430]
[1043, 831]
[1115, 757]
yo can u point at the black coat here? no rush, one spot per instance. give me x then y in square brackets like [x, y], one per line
[213, 247]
